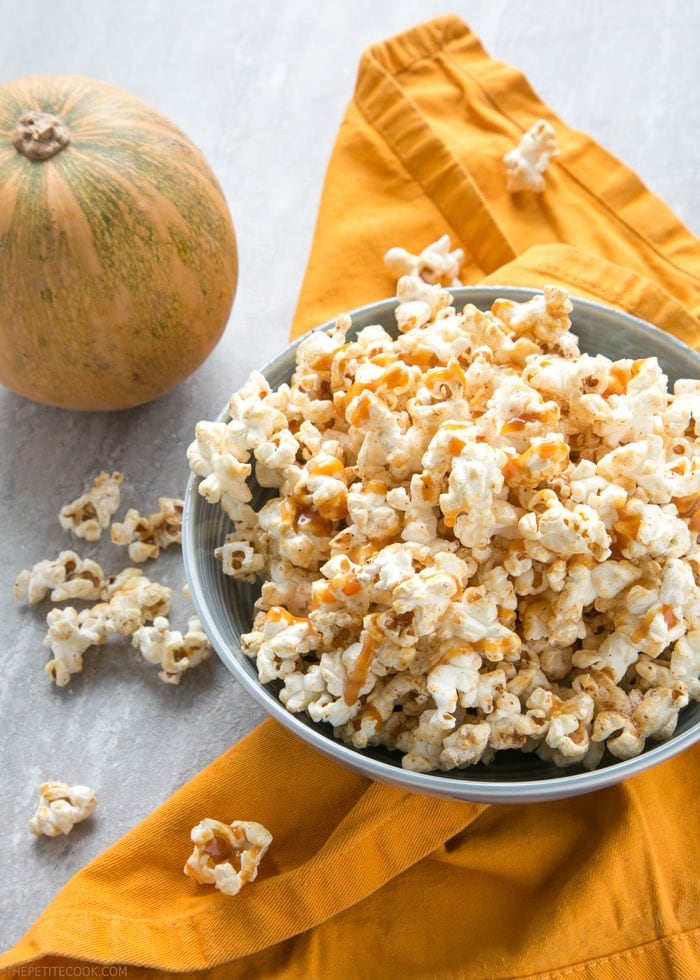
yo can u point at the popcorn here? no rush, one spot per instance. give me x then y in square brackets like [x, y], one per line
[465, 746]
[286, 586]
[543, 319]
[476, 538]
[61, 807]
[470, 503]
[545, 459]
[558, 529]
[684, 664]
[63, 578]
[218, 455]
[568, 724]
[88, 515]
[510, 726]
[69, 635]
[419, 302]
[653, 715]
[227, 855]
[122, 604]
[453, 681]
[435, 264]
[239, 557]
[146, 537]
[174, 652]
[283, 638]
[526, 164]
[129, 600]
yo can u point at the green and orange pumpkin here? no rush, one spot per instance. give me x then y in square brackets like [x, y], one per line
[118, 261]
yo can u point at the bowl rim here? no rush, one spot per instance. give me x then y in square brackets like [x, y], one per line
[457, 787]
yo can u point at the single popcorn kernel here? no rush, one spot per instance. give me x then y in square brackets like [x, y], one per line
[88, 515]
[146, 537]
[171, 650]
[437, 263]
[61, 807]
[227, 855]
[70, 633]
[526, 164]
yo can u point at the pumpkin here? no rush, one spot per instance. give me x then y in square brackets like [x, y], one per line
[118, 260]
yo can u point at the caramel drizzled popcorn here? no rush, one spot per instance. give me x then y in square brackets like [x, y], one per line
[477, 537]
[227, 855]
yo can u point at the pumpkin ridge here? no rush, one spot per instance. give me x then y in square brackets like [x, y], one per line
[62, 95]
[10, 111]
[163, 314]
[175, 207]
[10, 178]
[151, 216]
[59, 273]
[151, 155]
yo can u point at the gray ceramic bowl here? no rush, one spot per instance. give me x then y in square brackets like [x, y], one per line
[225, 606]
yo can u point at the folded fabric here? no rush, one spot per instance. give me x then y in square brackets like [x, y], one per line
[420, 154]
[362, 879]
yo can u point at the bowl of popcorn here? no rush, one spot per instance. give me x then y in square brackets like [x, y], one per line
[451, 541]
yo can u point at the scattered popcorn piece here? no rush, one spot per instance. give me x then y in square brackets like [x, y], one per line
[477, 538]
[146, 537]
[88, 515]
[526, 164]
[437, 263]
[129, 601]
[62, 807]
[227, 855]
[69, 635]
[65, 577]
[174, 652]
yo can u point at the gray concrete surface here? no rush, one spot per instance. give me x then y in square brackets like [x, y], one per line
[261, 89]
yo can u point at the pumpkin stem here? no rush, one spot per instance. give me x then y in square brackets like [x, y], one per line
[39, 135]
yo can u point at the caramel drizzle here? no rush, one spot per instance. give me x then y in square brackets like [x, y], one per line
[358, 675]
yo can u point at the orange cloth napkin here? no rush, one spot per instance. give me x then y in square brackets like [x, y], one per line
[363, 880]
